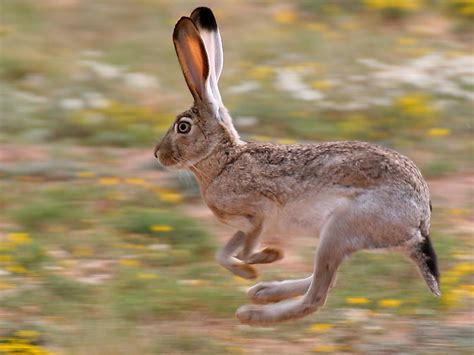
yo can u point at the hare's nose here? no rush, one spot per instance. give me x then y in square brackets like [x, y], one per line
[157, 148]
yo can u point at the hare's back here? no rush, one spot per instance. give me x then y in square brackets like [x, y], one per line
[345, 164]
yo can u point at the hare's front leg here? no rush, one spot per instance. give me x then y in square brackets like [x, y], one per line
[265, 256]
[240, 265]
[225, 257]
[335, 245]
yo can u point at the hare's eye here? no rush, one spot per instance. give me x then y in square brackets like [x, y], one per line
[183, 127]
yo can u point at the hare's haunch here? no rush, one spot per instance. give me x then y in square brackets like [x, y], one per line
[352, 195]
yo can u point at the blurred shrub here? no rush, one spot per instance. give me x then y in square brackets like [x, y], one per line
[393, 9]
[334, 7]
[115, 124]
[417, 110]
[20, 254]
[51, 207]
[31, 255]
[461, 8]
[66, 289]
[410, 115]
[187, 240]
[17, 68]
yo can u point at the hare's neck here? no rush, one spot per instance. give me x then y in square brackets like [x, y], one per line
[210, 167]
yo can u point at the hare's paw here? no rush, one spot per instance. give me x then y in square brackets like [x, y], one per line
[252, 314]
[265, 256]
[246, 271]
[266, 292]
[240, 269]
[276, 312]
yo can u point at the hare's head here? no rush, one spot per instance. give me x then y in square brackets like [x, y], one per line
[197, 132]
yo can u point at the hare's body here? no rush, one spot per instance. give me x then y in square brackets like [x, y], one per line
[300, 185]
[350, 195]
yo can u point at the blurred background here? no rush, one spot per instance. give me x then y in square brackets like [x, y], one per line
[104, 252]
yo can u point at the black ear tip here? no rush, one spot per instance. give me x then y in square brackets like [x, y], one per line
[204, 17]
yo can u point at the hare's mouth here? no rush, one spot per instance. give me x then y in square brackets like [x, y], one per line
[171, 162]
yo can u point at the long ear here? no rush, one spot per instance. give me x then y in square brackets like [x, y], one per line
[207, 26]
[192, 56]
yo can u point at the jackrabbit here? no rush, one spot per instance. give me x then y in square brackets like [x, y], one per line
[352, 195]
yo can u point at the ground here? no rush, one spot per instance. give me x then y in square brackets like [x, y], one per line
[151, 291]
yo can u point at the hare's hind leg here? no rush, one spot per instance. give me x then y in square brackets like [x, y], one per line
[336, 243]
[274, 291]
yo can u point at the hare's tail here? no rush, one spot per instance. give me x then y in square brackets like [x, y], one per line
[424, 257]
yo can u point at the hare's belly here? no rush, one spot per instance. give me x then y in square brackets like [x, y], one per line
[303, 217]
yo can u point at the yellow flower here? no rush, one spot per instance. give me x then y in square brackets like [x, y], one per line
[349, 25]
[407, 5]
[31, 334]
[458, 212]
[321, 84]
[469, 289]
[407, 41]
[6, 286]
[147, 276]
[180, 253]
[464, 268]
[325, 348]
[438, 132]
[129, 262]
[83, 251]
[242, 281]
[109, 181]
[261, 72]
[416, 105]
[452, 298]
[19, 238]
[136, 181]
[317, 26]
[357, 300]
[17, 269]
[467, 10]
[4, 30]
[5, 258]
[320, 328]
[5, 246]
[15, 346]
[286, 141]
[85, 174]
[161, 228]
[285, 16]
[172, 197]
[261, 138]
[422, 51]
[390, 303]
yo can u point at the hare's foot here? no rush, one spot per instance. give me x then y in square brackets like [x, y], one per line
[277, 312]
[243, 270]
[239, 268]
[266, 292]
[265, 256]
